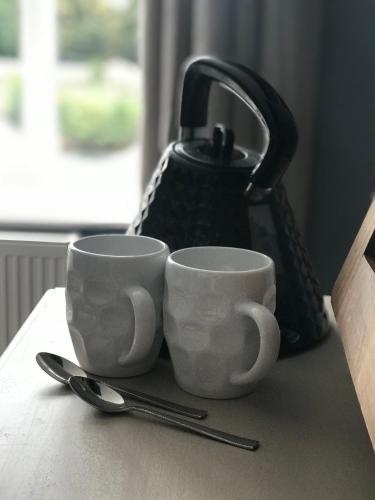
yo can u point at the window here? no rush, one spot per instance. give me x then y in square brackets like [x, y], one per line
[70, 106]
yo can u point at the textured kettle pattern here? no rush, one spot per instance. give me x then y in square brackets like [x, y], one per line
[172, 213]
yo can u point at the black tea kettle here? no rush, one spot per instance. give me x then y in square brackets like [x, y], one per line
[206, 190]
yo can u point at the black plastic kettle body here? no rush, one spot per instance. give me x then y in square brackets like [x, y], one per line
[209, 191]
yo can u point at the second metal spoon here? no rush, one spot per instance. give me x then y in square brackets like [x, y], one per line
[61, 369]
[105, 398]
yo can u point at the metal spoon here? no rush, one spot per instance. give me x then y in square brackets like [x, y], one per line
[105, 398]
[62, 369]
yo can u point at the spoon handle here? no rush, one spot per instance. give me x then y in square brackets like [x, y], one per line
[224, 437]
[186, 411]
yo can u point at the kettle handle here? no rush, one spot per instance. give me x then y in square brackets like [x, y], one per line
[259, 97]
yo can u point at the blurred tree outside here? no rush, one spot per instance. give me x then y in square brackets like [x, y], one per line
[92, 29]
[95, 112]
[88, 29]
[9, 16]
[94, 115]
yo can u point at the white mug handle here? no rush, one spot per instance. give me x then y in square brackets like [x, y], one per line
[269, 345]
[144, 325]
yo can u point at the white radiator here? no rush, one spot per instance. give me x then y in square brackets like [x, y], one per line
[27, 270]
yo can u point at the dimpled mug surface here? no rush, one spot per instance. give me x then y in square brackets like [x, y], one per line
[114, 299]
[218, 319]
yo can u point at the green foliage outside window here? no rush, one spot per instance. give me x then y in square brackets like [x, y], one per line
[9, 17]
[87, 29]
[91, 29]
[94, 115]
[97, 117]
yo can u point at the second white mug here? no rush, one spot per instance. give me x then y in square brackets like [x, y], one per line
[218, 319]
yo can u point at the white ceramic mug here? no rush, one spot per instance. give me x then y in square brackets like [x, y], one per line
[114, 298]
[218, 319]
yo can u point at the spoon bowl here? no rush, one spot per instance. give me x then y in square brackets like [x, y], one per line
[57, 367]
[107, 399]
[61, 369]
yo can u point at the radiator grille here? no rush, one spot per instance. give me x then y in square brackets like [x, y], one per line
[27, 270]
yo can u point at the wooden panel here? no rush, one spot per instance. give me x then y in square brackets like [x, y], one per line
[353, 301]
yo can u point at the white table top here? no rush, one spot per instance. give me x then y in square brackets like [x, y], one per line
[306, 415]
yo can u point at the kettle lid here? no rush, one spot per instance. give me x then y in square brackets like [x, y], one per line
[217, 151]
